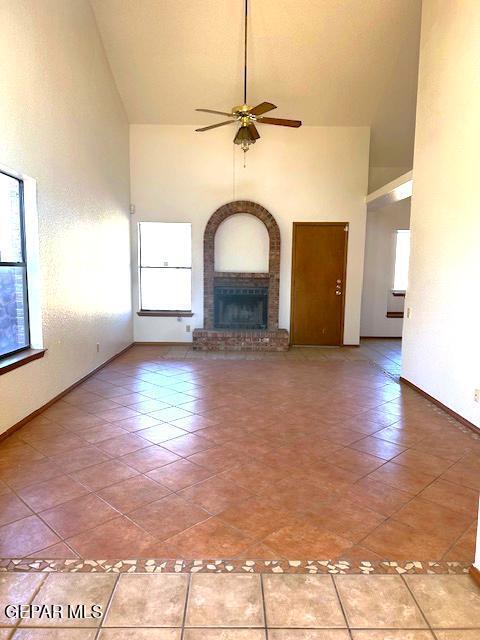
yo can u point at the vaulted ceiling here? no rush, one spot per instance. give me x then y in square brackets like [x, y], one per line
[327, 62]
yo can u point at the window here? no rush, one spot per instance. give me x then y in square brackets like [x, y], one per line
[402, 258]
[165, 250]
[14, 326]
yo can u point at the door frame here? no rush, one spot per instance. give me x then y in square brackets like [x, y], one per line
[346, 226]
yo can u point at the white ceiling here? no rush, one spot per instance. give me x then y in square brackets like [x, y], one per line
[326, 62]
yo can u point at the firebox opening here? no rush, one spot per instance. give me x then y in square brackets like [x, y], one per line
[241, 307]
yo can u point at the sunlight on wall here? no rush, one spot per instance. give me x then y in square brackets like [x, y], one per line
[95, 269]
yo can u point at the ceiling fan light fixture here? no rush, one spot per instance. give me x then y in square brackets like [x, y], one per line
[245, 145]
[244, 137]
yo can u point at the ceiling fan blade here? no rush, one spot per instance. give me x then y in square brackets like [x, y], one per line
[253, 131]
[280, 121]
[220, 113]
[214, 126]
[263, 107]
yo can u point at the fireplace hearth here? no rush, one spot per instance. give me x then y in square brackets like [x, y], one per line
[240, 307]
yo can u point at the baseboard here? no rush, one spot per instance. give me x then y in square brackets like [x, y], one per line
[442, 406]
[380, 337]
[475, 573]
[321, 346]
[162, 344]
[34, 414]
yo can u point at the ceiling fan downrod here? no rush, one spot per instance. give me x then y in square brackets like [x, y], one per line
[245, 115]
[244, 137]
[245, 44]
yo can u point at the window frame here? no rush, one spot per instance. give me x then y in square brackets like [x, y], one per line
[23, 265]
[160, 312]
[395, 291]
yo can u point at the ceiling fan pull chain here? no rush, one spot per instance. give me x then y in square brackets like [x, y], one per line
[233, 176]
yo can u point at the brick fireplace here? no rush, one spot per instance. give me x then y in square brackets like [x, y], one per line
[241, 309]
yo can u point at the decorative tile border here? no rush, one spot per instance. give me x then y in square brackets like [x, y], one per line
[364, 567]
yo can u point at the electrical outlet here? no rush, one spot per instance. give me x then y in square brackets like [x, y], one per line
[409, 312]
[476, 395]
[187, 328]
[98, 347]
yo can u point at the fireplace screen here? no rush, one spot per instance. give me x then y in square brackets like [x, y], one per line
[241, 307]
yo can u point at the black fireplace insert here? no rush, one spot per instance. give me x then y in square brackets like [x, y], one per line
[241, 307]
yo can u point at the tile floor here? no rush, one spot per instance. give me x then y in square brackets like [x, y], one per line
[244, 607]
[387, 353]
[169, 453]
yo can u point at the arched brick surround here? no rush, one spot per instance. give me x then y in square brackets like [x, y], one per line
[273, 276]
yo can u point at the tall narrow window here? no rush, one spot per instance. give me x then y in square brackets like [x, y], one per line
[165, 256]
[14, 328]
[402, 259]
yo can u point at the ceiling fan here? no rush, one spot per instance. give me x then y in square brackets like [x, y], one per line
[246, 115]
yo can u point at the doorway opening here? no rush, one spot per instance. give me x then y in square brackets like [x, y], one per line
[385, 279]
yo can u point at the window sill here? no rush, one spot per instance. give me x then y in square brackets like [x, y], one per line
[398, 294]
[394, 314]
[166, 314]
[19, 359]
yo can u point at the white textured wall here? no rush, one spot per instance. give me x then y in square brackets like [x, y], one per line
[62, 123]
[441, 346]
[377, 296]
[242, 244]
[441, 339]
[312, 173]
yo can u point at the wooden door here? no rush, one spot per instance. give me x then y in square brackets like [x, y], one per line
[318, 282]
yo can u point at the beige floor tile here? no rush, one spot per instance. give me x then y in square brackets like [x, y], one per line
[447, 601]
[391, 634]
[5, 634]
[54, 634]
[378, 602]
[301, 601]
[225, 601]
[74, 589]
[458, 634]
[17, 588]
[308, 634]
[140, 634]
[146, 600]
[224, 634]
